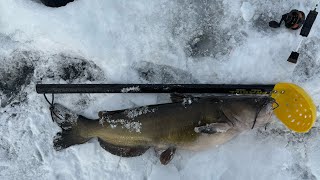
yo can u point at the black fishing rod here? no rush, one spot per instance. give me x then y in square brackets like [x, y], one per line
[155, 88]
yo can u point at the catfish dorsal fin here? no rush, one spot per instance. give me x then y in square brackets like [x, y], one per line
[106, 113]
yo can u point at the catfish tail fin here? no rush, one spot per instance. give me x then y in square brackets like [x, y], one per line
[68, 121]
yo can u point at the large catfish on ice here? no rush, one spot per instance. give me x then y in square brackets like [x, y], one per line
[188, 123]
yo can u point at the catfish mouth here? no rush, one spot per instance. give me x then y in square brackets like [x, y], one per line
[270, 106]
[263, 114]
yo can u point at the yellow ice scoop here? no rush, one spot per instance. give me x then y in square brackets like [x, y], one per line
[294, 107]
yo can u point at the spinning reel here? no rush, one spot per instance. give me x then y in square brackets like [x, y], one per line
[293, 20]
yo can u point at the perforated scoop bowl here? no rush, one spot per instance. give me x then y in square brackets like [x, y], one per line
[294, 107]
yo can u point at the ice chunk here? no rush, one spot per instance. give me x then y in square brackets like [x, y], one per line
[247, 11]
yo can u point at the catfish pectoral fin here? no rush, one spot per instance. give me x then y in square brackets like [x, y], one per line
[123, 151]
[213, 128]
[167, 155]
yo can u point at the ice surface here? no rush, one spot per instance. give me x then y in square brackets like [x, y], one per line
[105, 41]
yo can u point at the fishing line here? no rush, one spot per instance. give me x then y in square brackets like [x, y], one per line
[297, 49]
[51, 108]
[276, 104]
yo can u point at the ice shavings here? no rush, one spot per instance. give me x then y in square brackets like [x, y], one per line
[187, 101]
[132, 126]
[130, 89]
[132, 113]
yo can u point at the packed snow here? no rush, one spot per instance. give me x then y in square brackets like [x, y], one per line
[143, 41]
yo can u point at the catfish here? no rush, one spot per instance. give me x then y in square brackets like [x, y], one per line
[190, 123]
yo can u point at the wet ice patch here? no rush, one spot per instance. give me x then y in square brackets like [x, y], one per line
[157, 73]
[7, 151]
[301, 172]
[205, 29]
[21, 68]
[70, 69]
[16, 73]
[66, 68]
[308, 66]
[6, 43]
[209, 44]
[79, 69]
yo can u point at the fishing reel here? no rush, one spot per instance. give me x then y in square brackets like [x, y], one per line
[293, 20]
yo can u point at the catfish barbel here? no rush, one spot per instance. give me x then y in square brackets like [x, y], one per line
[191, 123]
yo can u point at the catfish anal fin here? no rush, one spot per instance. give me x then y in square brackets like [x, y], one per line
[167, 155]
[213, 128]
[123, 151]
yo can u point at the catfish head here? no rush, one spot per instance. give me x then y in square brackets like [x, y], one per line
[248, 113]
